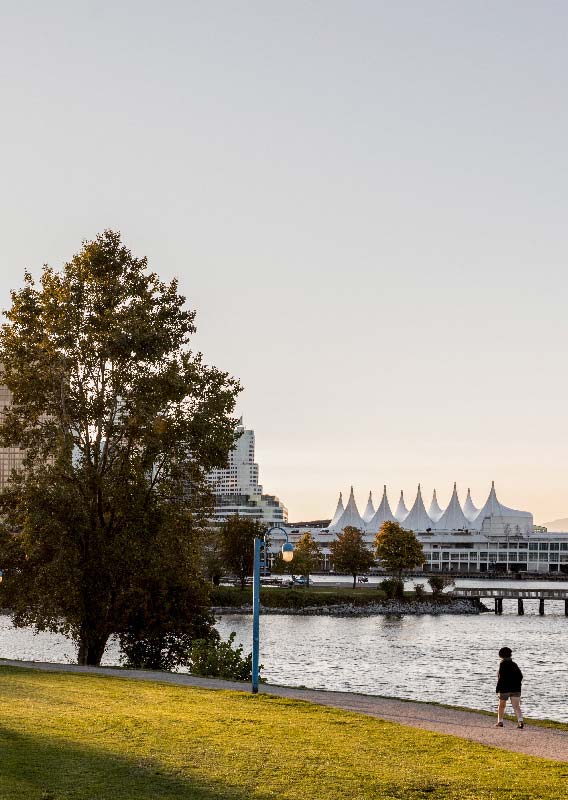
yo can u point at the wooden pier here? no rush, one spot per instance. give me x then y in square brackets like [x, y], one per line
[520, 595]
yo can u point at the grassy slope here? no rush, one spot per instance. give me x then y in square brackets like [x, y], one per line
[68, 737]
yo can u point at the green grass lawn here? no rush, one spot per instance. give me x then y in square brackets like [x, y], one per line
[72, 737]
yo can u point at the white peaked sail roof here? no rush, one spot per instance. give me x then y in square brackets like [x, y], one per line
[382, 514]
[493, 508]
[350, 516]
[453, 518]
[469, 509]
[434, 512]
[418, 519]
[338, 511]
[401, 512]
[369, 512]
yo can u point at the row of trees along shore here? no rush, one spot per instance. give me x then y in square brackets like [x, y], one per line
[103, 530]
[397, 550]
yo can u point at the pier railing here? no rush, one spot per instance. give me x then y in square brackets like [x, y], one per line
[512, 594]
[520, 595]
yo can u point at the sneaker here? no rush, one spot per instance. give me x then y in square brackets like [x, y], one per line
[521, 725]
[498, 725]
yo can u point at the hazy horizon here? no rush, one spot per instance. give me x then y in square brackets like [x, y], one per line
[365, 203]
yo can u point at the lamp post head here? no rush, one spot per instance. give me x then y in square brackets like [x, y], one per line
[287, 552]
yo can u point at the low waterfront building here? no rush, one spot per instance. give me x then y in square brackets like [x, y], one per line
[491, 539]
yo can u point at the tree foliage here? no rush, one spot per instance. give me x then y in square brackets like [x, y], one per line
[438, 583]
[120, 421]
[398, 549]
[238, 535]
[350, 554]
[307, 556]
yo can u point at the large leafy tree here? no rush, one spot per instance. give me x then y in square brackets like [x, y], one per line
[350, 554]
[238, 535]
[120, 422]
[398, 549]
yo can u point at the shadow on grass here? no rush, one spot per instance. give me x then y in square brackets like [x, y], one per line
[39, 768]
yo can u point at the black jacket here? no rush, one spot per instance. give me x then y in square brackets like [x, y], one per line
[509, 677]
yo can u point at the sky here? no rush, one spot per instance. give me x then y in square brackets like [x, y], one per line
[364, 201]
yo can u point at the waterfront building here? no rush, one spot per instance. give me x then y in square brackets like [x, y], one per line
[237, 489]
[369, 512]
[491, 539]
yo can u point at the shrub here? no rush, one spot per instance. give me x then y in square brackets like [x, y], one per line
[393, 588]
[419, 591]
[232, 597]
[226, 596]
[219, 659]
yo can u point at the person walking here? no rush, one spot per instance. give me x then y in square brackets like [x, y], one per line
[509, 679]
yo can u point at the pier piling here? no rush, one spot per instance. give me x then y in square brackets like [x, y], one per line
[541, 606]
[520, 607]
[498, 605]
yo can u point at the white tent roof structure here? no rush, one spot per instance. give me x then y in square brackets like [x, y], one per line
[338, 511]
[350, 516]
[418, 519]
[469, 509]
[435, 512]
[453, 518]
[493, 508]
[401, 512]
[382, 514]
[369, 512]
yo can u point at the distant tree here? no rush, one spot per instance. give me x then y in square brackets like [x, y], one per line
[214, 566]
[307, 555]
[120, 423]
[238, 535]
[281, 567]
[398, 550]
[438, 583]
[350, 554]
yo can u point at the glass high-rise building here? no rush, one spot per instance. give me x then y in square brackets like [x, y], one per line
[236, 487]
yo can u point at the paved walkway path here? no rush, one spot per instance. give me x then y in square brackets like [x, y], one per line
[535, 741]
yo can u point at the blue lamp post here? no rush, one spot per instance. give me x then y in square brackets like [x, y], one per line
[260, 560]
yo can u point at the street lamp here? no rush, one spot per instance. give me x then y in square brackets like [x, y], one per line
[260, 560]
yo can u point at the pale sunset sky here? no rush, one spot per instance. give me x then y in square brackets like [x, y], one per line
[365, 201]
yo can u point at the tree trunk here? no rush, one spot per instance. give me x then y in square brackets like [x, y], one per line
[355, 581]
[91, 649]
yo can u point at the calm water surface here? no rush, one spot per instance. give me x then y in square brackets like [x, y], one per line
[448, 659]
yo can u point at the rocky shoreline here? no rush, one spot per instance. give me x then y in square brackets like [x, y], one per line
[388, 607]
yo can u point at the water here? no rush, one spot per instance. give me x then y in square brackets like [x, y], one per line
[447, 659]
[444, 659]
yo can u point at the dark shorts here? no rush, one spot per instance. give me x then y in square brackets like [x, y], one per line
[507, 695]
